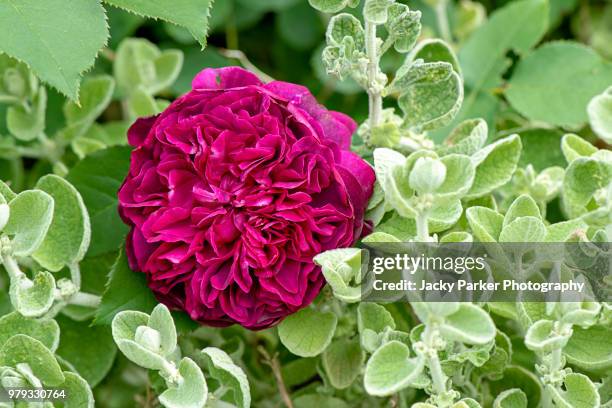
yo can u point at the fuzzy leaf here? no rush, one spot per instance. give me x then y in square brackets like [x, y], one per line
[390, 369]
[486, 224]
[58, 39]
[345, 25]
[78, 392]
[574, 146]
[342, 361]
[125, 327]
[580, 392]
[541, 337]
[470, 324]
[466, 138]
[95, 95]
[46, 331]
[376, 11]
[193, 15]
[162, 321]
[523, 206]
[404, 26]
[230, 375]
[513, 398]
[33, 298]
[524, 229]
[31, 215]
[21, 349]
[308, 332]
[590, 349]
[28, 125]
[583, 178]
[192, 391]
[330, 6]
[600, 115]
[69, 234]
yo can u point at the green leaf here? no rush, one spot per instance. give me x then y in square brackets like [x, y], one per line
[230, 375]
[583, 178]
[574, 146]
[98, 178]
[470, 324]
[541, 148]
[513, 398]
[299, 26]
[125, 290]
[444, 214]
[142, 104]
[522, 206]
[542, 338]
[69, 234]
[484, 56]
[162, 321]
[90, 350]
[57, 39]
[33, 298]
[318, 400]
[434, 50]
[308, 332]
[139, 64]
[466, 138]
[404, 26]
[46, 331]
[330, 6]
[590, 349]
[390, 369]
[345, 25]
[556, 82]
[342, 362]
[600, 115]
[95, 95]
[524, 229]
[194, 16]
[27, 125]
[31, 215]
[192, 391]
[486, 224]
[580, 392]
[420, 72]
[521, 378]
[460, 173]
[376, 11]
[126, 328]
[372, 320]
[78, 392]
[6, 192]
[22, 349]
[495, 165]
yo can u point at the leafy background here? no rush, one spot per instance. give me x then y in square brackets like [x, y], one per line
[526, 66]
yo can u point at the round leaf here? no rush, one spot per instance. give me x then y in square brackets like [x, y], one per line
[46, 331]
[342, 361]
[33, 298]
[222, 368]
[31, 215]
[308, 332]
[24, 349]
[470, 324]
[192, 391]
[390, 369]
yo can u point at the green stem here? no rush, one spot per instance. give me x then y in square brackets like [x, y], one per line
[442, 19]
[555, 364]
[422, 227]
[75, 275]
[438, 377]
[85, 299]
[12, 268]
[374, 94]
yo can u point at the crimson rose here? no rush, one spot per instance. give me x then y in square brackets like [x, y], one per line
[231, 192]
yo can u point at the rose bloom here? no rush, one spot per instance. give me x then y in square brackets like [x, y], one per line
[231, 192]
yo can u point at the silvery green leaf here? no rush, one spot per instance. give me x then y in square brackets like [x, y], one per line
[307, 332]
[469, 324]
[495, 165]
[161, 321]
[330, 6]
[420, 72]
[460, 174]
[230, 375]
[191, 390]
[46, 331]
[467, 138]
[524, 229]
[5, 213]
[376, 11]
[583, 314]
[512, 398]
[78, 392]
[27, 125]
[343, 361]
[457, 236]
[391, 369]
[562, 231]
[94, 96]
[69, 234]
[380, 236]
[583, 177]
[342, 26]
[600, 115]
[17, 82]
[31, 214]
[433, 50]
[84, 146]
[139, 64]
[22, 349]
[384, 160]
[542, 338]
[486, 224]
[574, 146]
[444, 213]
[522, 206]
[372, 320]
[124, 327]
[33, 298]
[428, 106]
[385, 135]
[470, 15]
[580, 392]
[590, 349]
[6, 192]
[404, 26]
[142, 103]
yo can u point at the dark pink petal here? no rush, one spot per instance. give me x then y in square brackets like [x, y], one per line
[224, 78]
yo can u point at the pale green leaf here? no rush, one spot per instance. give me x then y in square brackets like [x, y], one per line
[27, 125]
[376, 11]
[57, 40]
[329, 6]
[486, 224]
[21, 349]
[44, 330]
[574, 146]
[470, 324]
[390, 369]
[69, 234]
[191, 392]
[580, 392]
[125, 328]
[460, 173]
[161, 320]
[522, 206]
[524, 229]
[600, 115]
[345, 25]
[513, 398]
[308, 332]
[342, 362]
[583, 178]
[230, 375]
[404, 26]
[78, 392]
[193, 15]
[31, 215]
[33, 298]
[467, 137]
[590, 349]
[542, 338]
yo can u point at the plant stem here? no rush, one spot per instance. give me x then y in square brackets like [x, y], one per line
[273, 363]
[85, 299]
[442, 19]
[374, 94]
[422, 227]
[12, 268]
[438, 377]
[75, 275]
